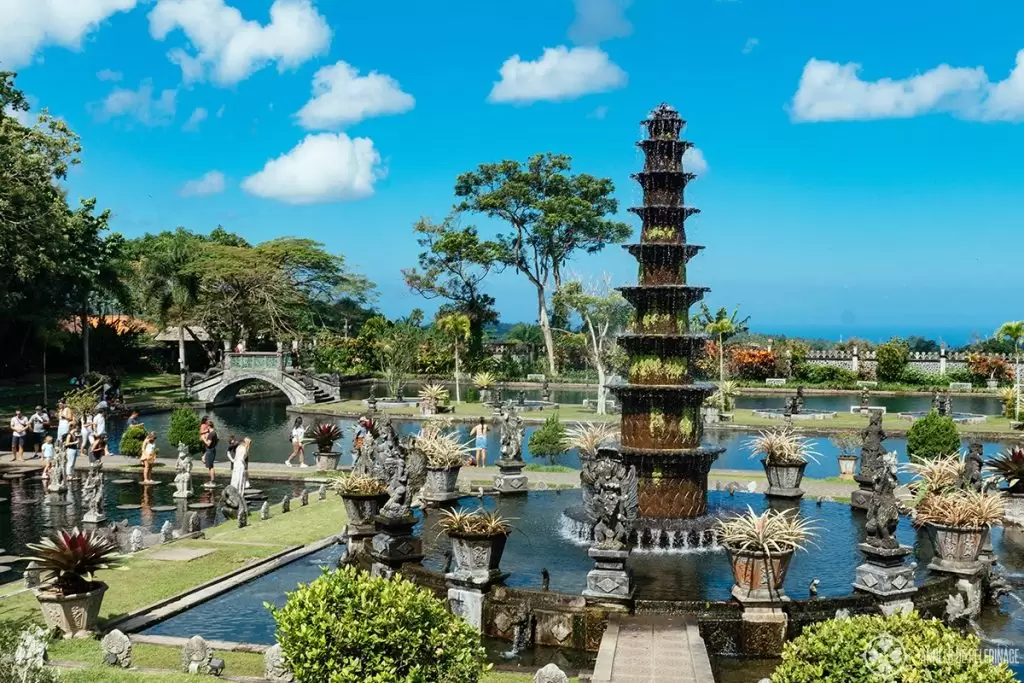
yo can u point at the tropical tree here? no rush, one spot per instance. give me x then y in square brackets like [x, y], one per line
[553, 215]
[721, 328]
[705, 317]
[453, 266]
[604, 312]
[395, 347]
[455, 327]
[1013, 332]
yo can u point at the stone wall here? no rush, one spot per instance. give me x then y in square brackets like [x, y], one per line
[929, 363]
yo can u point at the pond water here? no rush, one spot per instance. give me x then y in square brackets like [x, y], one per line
[268, 424]
[540, 542]
[28, 518]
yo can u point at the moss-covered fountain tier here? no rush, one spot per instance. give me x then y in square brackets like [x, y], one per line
[661, 421]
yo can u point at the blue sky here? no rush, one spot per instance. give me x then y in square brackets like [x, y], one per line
[884, 197]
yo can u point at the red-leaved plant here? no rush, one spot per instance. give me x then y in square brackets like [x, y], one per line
[325, 434]
[68, 560]
[1009, 467]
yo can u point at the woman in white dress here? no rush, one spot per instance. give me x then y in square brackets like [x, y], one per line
[240, 465]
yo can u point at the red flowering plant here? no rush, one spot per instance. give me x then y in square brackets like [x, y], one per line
[69, 560]
[990, 367]
[752, 363]
[1009, 467]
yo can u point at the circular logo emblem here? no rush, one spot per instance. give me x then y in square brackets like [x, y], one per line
[883, 657]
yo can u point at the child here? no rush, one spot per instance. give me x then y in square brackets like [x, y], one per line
[47, 455]
[149, 452]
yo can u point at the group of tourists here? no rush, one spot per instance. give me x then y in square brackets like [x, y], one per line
[36, 434]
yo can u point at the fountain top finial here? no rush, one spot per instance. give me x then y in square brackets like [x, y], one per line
[663, 111]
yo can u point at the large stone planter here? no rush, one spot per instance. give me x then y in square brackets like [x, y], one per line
[992, 383]
[362, 509]
[847, 466]
[757, 576]
[956, 548]
[784, 480]
[441, 485]
[327, 462]
[72, 615]
[477, 558]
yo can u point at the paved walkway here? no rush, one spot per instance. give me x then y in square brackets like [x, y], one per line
[652, 649]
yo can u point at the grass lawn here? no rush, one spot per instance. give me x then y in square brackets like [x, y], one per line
[142, 581]
[891, 423]
[161, 388]
[463, 411]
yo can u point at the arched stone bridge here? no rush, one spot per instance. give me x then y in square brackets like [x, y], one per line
[222, 385]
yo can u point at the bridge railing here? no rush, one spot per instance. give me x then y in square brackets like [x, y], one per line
[258, 360]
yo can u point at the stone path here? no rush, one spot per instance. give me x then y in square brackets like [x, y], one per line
[652, 649]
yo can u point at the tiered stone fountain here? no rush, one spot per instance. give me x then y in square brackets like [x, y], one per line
[661, 420]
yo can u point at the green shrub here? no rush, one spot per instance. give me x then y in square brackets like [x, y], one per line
[826, 374]
[914, 376]
[185, 429]
[131, 441]
[350, 627]
[549, 439]
[873, 648]
[961, 375]
[892, 357]
[932, 436]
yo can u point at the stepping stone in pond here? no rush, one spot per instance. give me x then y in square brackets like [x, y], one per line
[200, 506]
[208, 485]
[13, 475]
[123, 482]
[252, 493]
[164, 508]
[129, 506]
[149, 483]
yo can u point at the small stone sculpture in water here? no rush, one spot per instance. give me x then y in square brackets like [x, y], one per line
[58, 476]
[31, 575]
[613, 504]
[243, 516]
[304, 497]
[512, 433]
[865, 398]
[135, 541]
[971, 477]
[167, 532]
[183, 478]
[321, 493]
[231, 501]
[286, 504]
[883, 514]
[92, 495]
[265, 510]
[192, 522]
[274, 667]
[117, 649]
[197, 658]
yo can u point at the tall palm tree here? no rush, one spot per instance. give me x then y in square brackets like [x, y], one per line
[170, 287]
[721, 328]
[1013, 331]
[456, 328]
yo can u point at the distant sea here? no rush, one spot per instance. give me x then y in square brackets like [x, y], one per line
[951, 336]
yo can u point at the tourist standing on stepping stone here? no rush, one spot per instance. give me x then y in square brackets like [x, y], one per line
[240, 466]
[39, 421]
[98, 450]
[64, 420]
[298, 449]
[209, 440]
[19, 431]
[479, 433]
[99, 424]
[72, 444]
[148, 457]
[86, 433]
[47, 455]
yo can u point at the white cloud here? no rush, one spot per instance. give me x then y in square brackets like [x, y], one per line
[212, 182]
[28, 25]
[341, 96]
[198, 115]
[560, 74]
[694, 161]
[139, 104]
[229, 47]
[749, 46]
[25, 118]
[829, 91]
[109, 75]
[598, 20]
[323, 167]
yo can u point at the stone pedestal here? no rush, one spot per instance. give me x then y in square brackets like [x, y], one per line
[860, 498]
[468, 603]
[510, 479]
[885, 576]
[610, 582]
[394, 544]
[94, 518]
[763, 629]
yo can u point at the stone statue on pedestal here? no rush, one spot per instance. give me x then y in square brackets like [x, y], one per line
[183, 478]
[883, 511]
[92, 495]
[971, 476]
[512, 434]
[612, 503]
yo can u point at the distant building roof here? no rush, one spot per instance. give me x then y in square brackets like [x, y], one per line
[120, 322]
[192, 333]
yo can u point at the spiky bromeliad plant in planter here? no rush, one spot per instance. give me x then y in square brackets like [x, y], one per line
[957, 520]
[760, 548]
[363, 496]
[70, 596]
[784, 455]
[445, 455]
[325, 435]
[484, 381]
[478, 542]
[431, 398]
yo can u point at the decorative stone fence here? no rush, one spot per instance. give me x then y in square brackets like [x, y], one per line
[929, 362]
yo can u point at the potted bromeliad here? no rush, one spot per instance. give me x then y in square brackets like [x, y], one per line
[432, 397]
[70, 596]
[484, 382]
[784, 455]
[478, 542]
[760, 548]
[1008, 467]
[958, 521]
[847, 444]
[445, 455]
[325, 435]
[363, 496]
